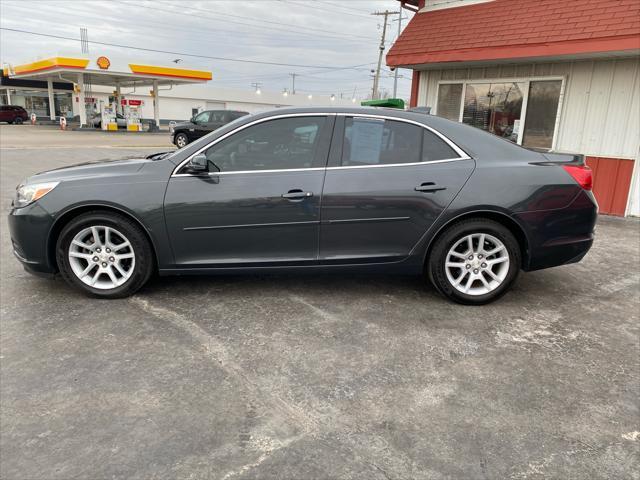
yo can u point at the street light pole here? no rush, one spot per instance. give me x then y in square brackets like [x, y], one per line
[293, 82]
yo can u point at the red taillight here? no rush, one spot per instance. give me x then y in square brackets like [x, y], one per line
[581, 174]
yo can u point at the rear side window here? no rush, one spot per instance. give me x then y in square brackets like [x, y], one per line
[435, 148]
[370, 141]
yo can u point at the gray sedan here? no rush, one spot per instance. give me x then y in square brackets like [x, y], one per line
[325, 189]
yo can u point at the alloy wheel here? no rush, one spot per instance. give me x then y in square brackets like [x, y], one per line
[477, 264]
[101, 257]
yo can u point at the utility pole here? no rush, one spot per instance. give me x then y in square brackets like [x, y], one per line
[293, 82]
[395, 74]
[84, 40]
[376, 78]
[257, 86]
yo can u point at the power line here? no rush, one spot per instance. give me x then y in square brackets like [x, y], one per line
[333, 32]
[334, 5]
[169, 52]
[173, 12]
[324, 9]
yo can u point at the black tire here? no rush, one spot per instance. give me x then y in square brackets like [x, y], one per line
[446, 240]
[18, 121]
[144, 258]
[181, 140]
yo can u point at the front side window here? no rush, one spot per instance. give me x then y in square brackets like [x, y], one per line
[281, 144]
[202, 117]
[380, 142]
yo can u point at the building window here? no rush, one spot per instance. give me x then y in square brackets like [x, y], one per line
[542, 106]
[522, 111]
[449, 98]
[494, 107]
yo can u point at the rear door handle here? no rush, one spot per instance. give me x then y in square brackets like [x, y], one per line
[429, 187]
[297, 195]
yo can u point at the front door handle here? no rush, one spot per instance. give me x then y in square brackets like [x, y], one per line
[297, 195]
[429, 187]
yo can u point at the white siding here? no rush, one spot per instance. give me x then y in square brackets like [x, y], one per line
[600, 110]
[440, 4]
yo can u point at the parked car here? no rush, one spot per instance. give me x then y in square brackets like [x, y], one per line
[13, 114]
[315, 188]
[204, 122]
[96, 121]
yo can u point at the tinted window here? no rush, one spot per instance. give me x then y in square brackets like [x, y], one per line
[380, 142]
[434, 148]
[218, 116]
[273, 145]
[202, 117]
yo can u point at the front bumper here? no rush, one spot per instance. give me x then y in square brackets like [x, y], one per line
[29, 228]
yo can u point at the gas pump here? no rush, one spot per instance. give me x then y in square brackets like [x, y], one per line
[108, 116]
[132, 115]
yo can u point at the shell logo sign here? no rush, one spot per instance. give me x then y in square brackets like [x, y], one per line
[103, 63]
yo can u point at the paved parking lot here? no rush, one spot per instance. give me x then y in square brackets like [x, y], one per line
[316, 376]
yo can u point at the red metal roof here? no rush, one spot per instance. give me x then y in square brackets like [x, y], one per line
[510, 29]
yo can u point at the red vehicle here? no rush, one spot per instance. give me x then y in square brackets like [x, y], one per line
[13, 114]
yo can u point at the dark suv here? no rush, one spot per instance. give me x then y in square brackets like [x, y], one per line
[13, 114]
[201, 124]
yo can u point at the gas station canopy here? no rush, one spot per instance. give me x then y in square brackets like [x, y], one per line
[101, 71]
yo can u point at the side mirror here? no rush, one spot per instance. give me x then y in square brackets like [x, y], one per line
[193, 120]
[198, 163]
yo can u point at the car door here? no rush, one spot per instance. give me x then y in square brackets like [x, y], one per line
[260, 202]
[387, 182]
[217, 119]
[200, 125]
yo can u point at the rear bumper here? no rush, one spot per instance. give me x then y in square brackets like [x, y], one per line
[559, 237]
[29, 228]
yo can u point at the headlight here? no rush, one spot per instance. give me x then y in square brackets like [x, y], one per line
[26, 194]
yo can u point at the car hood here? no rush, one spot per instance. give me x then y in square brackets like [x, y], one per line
[184, 125]
[97, 169]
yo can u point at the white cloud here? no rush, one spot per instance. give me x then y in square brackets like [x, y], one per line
[320, 33]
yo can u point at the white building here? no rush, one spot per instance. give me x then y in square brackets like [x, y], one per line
[59, 85]
[547, 74]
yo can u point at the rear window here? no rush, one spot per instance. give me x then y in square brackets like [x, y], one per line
[435, 148]
[370, 141]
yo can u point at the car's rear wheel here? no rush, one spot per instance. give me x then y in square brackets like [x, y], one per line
[474, 261]
[181, 140]
[18, 121]
[104, 254]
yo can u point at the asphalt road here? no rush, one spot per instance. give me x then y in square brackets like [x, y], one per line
[318, 376]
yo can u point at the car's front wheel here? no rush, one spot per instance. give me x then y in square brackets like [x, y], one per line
[104, 254]
[474, 261]
[18, 121]
[181, 140]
